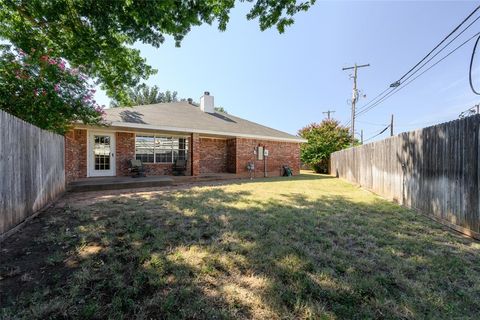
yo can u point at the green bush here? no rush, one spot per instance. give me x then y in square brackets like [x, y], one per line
[323, 139]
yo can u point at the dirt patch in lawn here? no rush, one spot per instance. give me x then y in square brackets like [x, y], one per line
[27, 262]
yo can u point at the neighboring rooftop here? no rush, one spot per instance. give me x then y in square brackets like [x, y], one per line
[185, 117]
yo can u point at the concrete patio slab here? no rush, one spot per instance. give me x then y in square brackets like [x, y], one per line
[114, 183]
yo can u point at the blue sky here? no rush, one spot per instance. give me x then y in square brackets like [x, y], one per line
[286, 81]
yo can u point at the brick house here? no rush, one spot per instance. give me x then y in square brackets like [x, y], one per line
[210, 141]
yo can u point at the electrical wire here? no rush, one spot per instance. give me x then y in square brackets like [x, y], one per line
[423, 59]
[471, 65]
[436, 54]
[407, 83]
[373, 124]
[377, 133]
[363, 108]
[438, 45]
[350, 121]
[372, 100]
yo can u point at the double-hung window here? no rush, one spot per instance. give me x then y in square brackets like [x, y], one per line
[160, 149]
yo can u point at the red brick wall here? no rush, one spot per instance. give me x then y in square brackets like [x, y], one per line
[75, 154]
[195, 154]
[207, 155]
[213, 155]
[158, 169]
[280, 153]
[124, 151]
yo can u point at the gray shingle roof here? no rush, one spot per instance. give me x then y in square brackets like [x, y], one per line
[184, 117]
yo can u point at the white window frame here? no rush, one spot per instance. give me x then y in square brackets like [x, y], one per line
[155, 136]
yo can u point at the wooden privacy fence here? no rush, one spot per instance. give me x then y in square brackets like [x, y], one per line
[435, 170]
[32, 170]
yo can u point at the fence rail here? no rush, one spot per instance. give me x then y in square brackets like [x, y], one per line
[32, 170]
[435, 170]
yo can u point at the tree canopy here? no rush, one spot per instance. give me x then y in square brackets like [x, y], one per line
[45, 91]
[99, 35]
[143, 94]
[220, 109]
[323, 139]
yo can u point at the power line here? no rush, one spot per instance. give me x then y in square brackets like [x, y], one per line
[385, 129]
[396, 84]
[371, 123]
[452, 32]
[407, 83]
[471, 65]
[372, 100]
[439, 51]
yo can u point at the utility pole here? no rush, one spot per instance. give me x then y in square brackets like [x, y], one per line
[391, 127]
[354, 95]
[361, 136]
[328, 113]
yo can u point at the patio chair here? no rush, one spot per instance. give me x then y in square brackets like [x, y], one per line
[136, 168]
[179, 167]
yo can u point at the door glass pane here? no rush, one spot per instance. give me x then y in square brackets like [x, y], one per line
[101, 152]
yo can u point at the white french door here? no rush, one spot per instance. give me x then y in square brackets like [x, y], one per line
[101, 154]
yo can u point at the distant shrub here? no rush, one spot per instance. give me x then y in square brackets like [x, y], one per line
[323, 139]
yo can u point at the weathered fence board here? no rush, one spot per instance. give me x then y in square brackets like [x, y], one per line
[32, 170]
[435, 170]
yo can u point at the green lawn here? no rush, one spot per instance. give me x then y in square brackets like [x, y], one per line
[310, 247]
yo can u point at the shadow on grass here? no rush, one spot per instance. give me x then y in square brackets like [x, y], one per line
[209, 253]
[301, 177]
